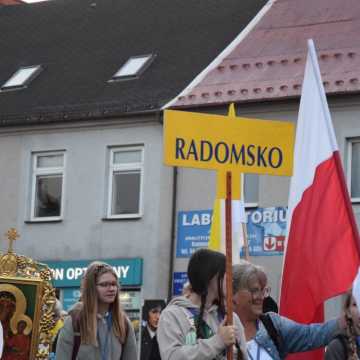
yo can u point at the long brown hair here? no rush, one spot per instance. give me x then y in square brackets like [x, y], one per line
[88, 313]
[350, 330]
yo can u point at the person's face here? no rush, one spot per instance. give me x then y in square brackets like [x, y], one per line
[7, 310]
[354, 313]
[248, 303]
[153, 318]
[21, 327]
[107, 288]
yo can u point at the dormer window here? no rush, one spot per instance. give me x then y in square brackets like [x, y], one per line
[22, 77]
[133, 67]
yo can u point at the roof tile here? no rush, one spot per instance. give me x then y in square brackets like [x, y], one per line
[269, 62]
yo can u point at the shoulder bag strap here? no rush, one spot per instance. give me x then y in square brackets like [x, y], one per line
[273, 333]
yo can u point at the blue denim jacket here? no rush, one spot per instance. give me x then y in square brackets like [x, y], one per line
[295, 337]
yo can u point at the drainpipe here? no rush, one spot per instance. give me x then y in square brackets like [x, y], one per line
[173, 231]
[159, 116]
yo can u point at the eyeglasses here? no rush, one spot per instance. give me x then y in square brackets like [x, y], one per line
[107, 284]
[256, 292]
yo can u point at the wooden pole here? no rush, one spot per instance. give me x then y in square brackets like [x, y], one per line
[229, 292]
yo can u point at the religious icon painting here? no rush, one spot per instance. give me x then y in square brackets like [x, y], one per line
[19, 316]
[27, 300]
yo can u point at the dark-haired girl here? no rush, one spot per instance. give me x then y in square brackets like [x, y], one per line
[346, 345]
[194, 326]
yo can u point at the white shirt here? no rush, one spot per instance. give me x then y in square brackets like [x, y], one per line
[253, 350]
[151, 332]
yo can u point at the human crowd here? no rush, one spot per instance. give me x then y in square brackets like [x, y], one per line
[194, 325]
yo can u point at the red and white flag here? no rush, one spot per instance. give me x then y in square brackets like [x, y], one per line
[322, 249]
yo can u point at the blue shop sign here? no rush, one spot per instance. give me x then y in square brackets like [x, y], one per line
[69, 273]
[266, 231]
[70, 297]
[193, 231]
[179, 280]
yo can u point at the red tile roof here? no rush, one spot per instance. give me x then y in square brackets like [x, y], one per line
[269, 62]
[10, 2]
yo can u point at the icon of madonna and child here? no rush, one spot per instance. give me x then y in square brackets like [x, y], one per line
[16, 314]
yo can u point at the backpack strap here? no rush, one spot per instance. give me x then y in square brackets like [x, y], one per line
[75, 318]
[271, 330]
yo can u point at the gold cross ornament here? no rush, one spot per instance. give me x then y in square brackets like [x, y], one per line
[12, 235]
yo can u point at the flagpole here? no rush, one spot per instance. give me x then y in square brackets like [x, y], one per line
[246, 242]
[229, 292]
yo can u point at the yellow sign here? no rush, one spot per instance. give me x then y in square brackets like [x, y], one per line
[228, 143]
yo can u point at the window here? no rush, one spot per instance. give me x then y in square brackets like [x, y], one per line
[133, 67]
[22, 77]
[125, 182]
[353, 168]
[250, 189]
[47, 186]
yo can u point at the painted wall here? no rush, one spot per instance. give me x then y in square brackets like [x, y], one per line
[83, 234]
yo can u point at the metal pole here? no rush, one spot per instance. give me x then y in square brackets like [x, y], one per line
[246, 242]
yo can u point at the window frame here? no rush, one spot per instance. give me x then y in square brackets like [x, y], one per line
[38, 69]
[47, 171]
[349, 144]
[147, 63]
[124, 167]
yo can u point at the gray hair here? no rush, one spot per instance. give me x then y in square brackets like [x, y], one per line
[244, 273]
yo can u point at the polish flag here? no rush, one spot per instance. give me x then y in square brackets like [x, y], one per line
[322, 248]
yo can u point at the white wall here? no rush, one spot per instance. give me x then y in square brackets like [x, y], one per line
[83, 234]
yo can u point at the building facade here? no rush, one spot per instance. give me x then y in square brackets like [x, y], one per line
[81, 131]
[262, 74]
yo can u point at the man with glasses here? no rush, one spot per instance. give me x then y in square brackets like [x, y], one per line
[271, 336]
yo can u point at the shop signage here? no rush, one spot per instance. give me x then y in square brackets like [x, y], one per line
[69, 273]
[193, 231]
[70, 297]
[266, 231]
[179, 280]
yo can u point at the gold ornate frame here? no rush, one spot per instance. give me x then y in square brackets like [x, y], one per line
[20, 270]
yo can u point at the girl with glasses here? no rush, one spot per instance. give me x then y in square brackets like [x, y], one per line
[98, 328]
